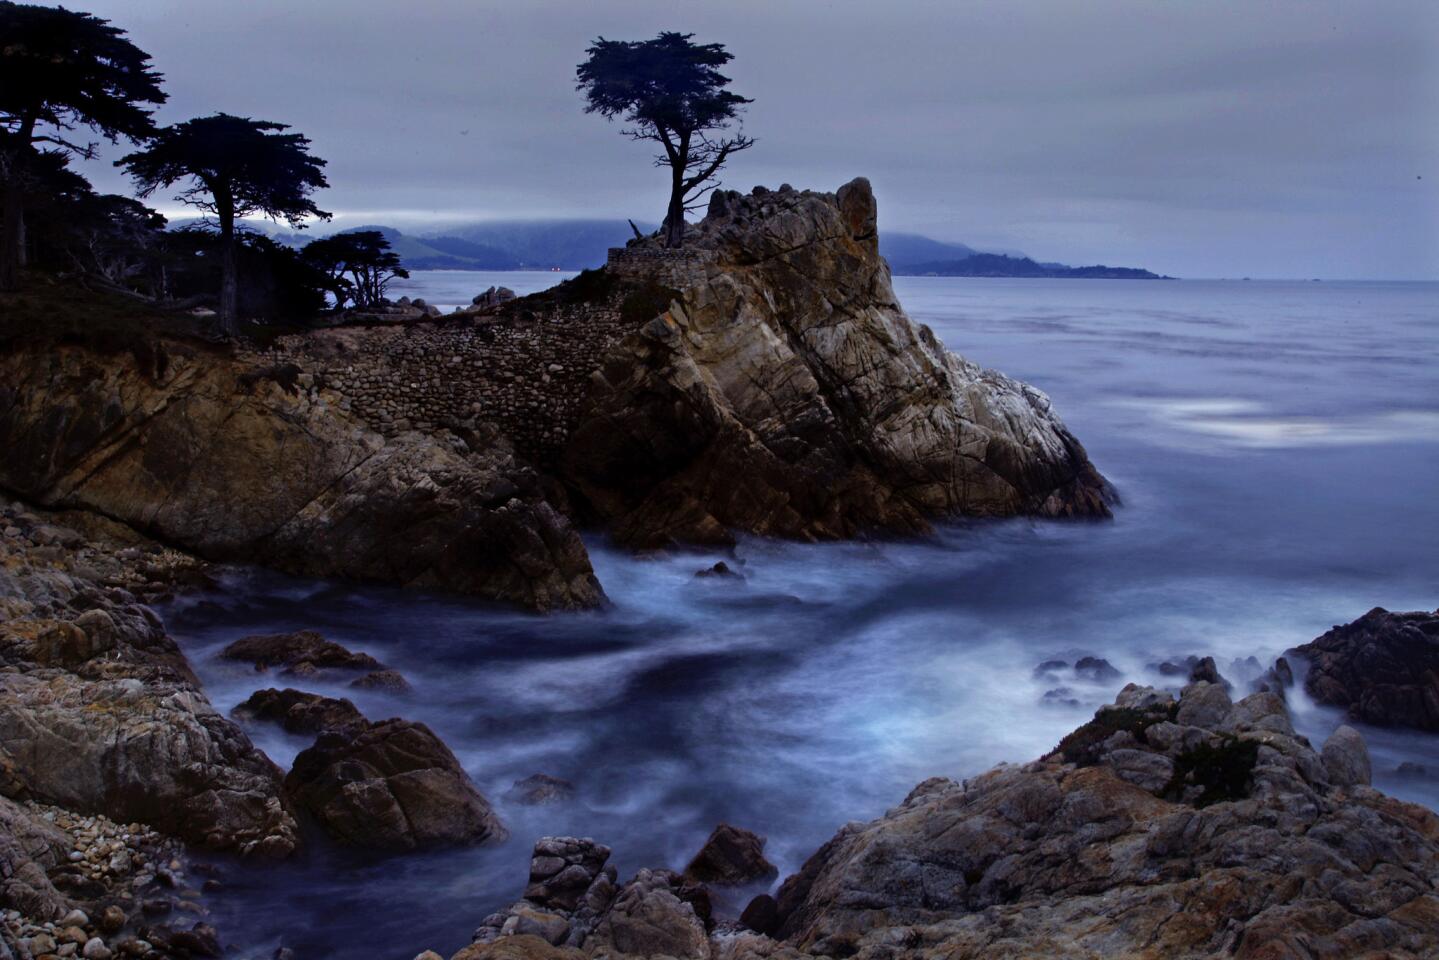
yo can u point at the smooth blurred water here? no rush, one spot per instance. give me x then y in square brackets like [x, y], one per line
[1277, 448]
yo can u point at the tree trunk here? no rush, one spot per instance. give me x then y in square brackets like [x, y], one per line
[12, 234]
[229, 284]
[13, 242]
[675, 215]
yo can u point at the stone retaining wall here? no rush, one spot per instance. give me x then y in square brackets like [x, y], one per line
[525, 374]
[673, 268]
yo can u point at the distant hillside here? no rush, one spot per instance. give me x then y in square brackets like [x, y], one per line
[580, 244]
[999, 265]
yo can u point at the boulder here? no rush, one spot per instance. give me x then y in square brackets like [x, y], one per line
[773, 384]
[731, 856]
[570, 888]
[651, 918]
[297, 711]
[302, 652]
[390, 681]
[1383, 668]
[1346, 758]
[235, 461]
[390, 786]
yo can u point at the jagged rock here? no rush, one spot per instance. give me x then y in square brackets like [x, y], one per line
[570, 888]
[1066, 857]
[1384, 667]
[391, 786]
[1346, 758]
[297, 652]
[29, 849]
[127, 734]
[731, 856]
[651, 918]
[240, 463]
[721, 570]
[539, 789]
[777, 387]
[518, 948]
[297, 711]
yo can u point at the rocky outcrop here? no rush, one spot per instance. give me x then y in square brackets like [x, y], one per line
[303, 652]
[1195, 827]
[1383, 667]
[99, 712]
[731, 856]
[390, 786]
[298, 711]
[262, 464]
[778, 387]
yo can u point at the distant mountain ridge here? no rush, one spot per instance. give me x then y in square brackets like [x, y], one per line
[581, 244]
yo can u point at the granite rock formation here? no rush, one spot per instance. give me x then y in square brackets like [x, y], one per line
[259, 464]
[99, 713]
[1383, 667]
[783, 391]
[1195, 827]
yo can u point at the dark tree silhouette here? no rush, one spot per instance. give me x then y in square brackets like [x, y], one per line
[235, 167]
[671, 92]
[59, 71]
[359, 265]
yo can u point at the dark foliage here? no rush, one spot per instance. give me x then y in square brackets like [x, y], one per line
[232, 167]
[61, 71]
[1223, 771]
[358, 266]
[670, 91]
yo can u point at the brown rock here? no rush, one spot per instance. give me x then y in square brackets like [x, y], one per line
[1383, 667]
[298, 711]
[302, 649]
[731, 856]
[391, 785]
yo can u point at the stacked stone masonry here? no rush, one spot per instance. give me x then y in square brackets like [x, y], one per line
[674, 268]
[524, 372]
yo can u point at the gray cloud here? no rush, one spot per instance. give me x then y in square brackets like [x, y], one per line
[1284, 138]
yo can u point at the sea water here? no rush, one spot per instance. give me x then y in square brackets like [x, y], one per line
[1276, 446]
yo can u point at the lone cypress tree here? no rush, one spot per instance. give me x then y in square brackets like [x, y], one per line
[671, 92]
[359, 266]
[61, 70]
[236, 167]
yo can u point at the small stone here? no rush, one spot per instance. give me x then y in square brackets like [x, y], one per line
[95, 949]
[112, 920]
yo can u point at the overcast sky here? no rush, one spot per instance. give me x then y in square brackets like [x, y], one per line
[1265, 138]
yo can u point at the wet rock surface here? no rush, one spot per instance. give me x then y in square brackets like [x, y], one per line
[298, 711]
[1383, 668]
[1188, 827]
[302, 652]
[390, 786]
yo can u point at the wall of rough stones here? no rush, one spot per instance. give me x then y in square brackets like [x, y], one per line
[527, 374]
[673, 268]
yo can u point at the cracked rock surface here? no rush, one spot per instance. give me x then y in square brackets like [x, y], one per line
[193, 448]
[785, 392]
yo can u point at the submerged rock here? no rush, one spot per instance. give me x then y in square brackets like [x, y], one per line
[302, 652]
[1193, 827]
[1383, 667]
[540, 789]
[240, 462]
[297, 711]
[773, 384]
[390, 786]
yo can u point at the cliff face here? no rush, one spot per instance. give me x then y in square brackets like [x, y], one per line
[785, 392]
[255, 464]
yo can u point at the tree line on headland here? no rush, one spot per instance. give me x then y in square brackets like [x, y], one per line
[64, 74]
